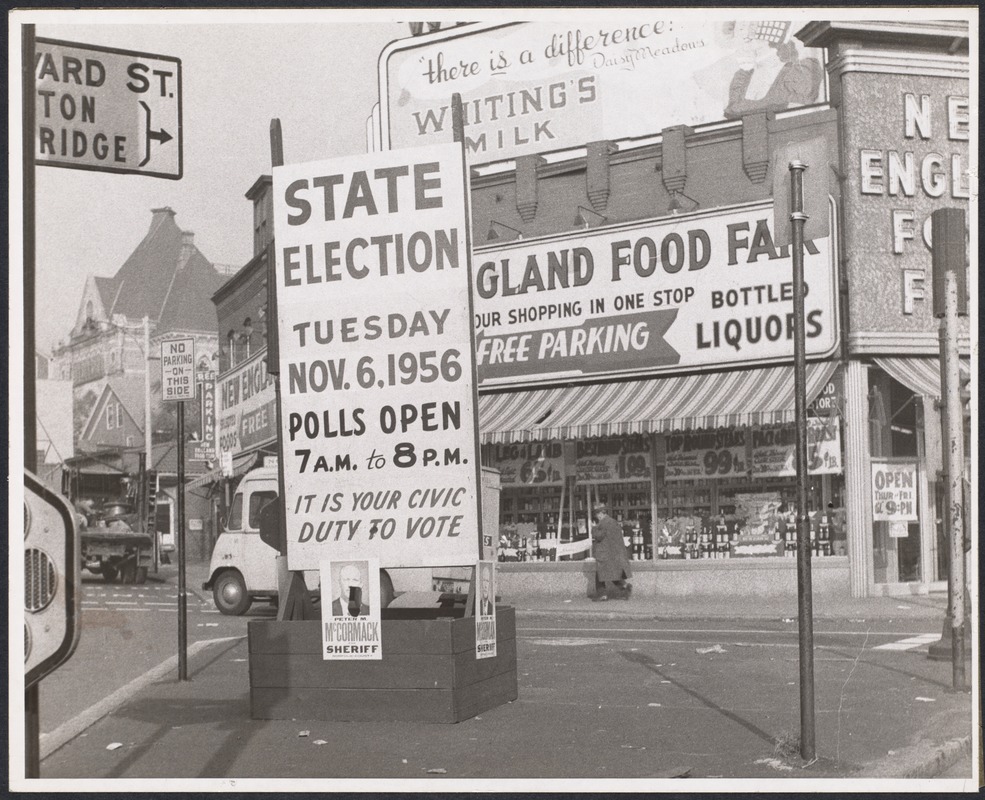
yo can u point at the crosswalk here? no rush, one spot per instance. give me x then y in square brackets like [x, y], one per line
[145, 598]
[910, 643]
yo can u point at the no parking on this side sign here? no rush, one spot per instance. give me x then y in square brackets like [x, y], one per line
[178, 369]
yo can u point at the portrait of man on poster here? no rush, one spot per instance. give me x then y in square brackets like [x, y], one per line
[352, 582]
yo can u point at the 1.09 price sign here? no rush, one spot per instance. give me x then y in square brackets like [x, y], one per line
[376, 359]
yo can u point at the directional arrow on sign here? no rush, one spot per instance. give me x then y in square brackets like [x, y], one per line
[162, 135]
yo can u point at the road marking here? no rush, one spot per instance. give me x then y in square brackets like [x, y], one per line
[787, 631]
[628, 640]
[910, 643]
[64, 733]
[122, 602]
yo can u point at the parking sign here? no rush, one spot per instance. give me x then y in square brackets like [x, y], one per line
[178, 369]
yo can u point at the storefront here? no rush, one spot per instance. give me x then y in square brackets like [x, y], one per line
[684, 486]
[904, 115]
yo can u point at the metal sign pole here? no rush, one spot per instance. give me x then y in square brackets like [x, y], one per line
[32, 729]
[182, 595]
[804, 610]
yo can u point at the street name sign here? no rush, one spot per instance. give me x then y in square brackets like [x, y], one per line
[178, 369]
[107, 110]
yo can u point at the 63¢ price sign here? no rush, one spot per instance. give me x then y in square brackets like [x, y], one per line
[376, 359]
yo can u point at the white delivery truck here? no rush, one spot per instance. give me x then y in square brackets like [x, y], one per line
[244, 568]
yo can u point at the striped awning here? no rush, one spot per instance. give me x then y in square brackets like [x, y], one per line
[922, 375]
[710, 400]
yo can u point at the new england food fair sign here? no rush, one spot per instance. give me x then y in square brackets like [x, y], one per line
[377, 368]
[705, 291]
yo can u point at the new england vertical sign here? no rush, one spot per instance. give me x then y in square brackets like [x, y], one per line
[376, 359]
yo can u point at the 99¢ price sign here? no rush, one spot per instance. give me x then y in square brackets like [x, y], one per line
[706, 454]
[376, 359]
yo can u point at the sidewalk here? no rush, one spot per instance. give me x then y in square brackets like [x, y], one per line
[929, 609]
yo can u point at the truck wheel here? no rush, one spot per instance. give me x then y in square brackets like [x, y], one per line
[229, 593]
[108, 571]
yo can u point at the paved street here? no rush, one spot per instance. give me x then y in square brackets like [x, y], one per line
[611, 695]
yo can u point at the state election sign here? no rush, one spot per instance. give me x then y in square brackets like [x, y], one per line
[377, 370]
[178, 369]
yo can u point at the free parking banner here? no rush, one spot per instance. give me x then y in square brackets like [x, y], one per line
[376, 359]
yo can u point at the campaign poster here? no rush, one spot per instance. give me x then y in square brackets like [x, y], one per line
[350, 610]
[485, 610]
[381, 455]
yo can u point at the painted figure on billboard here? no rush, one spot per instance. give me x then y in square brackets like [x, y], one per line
[772, 75]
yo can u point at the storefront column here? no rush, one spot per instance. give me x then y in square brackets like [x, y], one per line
[858, 487]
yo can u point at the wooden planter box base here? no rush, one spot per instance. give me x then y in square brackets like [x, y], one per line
[429, 672]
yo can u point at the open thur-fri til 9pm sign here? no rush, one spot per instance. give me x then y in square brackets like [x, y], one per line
[376, 359]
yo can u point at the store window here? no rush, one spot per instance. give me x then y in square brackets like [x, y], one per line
[721, 493]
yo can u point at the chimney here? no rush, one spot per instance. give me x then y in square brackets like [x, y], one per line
[160, 215]
[187, 248]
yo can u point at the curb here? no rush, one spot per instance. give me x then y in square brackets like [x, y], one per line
[921, 763]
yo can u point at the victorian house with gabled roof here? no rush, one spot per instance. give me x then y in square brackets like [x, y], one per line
[169, 282]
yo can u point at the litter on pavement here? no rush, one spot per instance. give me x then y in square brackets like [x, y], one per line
[114, 746]
[304, 733]
[713, 649]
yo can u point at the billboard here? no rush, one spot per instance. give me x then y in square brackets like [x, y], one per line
[702, 291]
[247, 410]
[377, 365]
[532, 87]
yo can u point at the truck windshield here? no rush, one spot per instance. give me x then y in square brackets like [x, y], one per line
[236, 513]
[258, 501]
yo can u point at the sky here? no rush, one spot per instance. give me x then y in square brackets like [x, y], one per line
[319, 79]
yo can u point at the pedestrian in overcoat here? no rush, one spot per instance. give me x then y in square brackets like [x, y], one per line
[611, 558]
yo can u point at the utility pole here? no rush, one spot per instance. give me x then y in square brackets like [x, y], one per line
[182, 593]
[805, 614]
[948, 228]
[148, 433]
